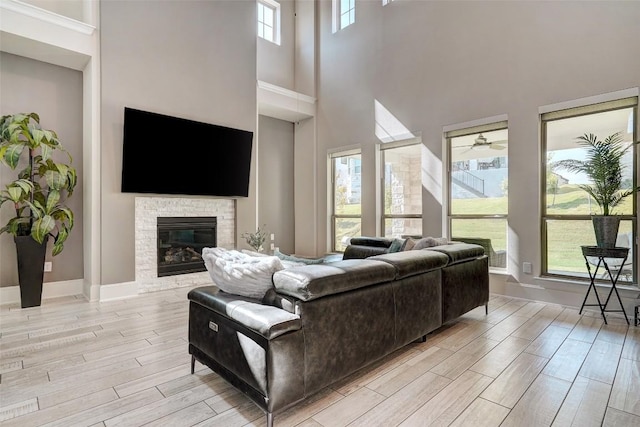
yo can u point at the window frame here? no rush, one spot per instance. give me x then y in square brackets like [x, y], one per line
[465, 131]
[275, 8]
[332, 193]
[382, 147]
[580, 111]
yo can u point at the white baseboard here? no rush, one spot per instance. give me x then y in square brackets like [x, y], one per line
[63, 288]
[118, 291]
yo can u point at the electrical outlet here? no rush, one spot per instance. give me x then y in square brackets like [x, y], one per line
[527, 267]
[48, 266]
[273, 246]
[273, 237]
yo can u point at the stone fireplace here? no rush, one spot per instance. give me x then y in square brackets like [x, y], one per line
[180, 243]
[148, 210]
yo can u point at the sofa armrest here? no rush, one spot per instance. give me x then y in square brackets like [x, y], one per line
[380, 242]
[268, 321]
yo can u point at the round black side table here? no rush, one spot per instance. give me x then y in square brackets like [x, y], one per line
[602, 254]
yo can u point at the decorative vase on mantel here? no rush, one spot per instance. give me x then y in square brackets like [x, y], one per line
[606, 230]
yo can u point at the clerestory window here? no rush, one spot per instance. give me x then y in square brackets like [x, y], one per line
[269, 20]
[344, 14]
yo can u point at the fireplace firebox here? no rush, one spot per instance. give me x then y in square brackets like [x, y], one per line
[180, 243]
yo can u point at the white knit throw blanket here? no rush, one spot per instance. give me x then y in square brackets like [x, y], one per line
[241, 274]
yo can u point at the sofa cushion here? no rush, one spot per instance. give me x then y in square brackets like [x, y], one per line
[459, 252]
[428, 242]
[396, 245]
[268, 321]
[409, 244]
[410, 263]
[314, 281]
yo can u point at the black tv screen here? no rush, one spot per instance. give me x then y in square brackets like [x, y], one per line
[169, 155]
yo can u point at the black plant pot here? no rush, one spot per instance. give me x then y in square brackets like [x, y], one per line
[606, 229]
[31, 255]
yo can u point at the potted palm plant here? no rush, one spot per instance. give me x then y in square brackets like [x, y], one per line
[604, 168]
[38, 197]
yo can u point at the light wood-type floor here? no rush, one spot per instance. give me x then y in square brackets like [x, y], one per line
[125, 363]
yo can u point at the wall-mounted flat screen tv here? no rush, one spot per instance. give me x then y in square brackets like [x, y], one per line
[171, 155]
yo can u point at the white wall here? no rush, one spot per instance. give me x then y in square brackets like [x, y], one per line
[196, 62]
[433, 64]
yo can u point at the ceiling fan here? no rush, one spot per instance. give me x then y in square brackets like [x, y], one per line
[481, 143]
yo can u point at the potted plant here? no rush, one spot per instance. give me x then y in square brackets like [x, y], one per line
[603, 166]
[37, 196]
[257, 239]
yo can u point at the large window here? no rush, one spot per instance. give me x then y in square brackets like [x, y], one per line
[344, 12]
[269, 20]
[346, 174]
[566, 208]
[479, 188]
[402, 188]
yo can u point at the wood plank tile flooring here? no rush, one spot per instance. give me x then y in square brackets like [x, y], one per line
[125, 363]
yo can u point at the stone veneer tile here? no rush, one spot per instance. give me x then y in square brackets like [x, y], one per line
[148, 209]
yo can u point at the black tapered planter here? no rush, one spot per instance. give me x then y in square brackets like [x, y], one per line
[31, 256]
[606, 230]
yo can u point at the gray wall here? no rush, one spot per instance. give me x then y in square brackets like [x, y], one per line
[197, 62]
[275, 181]
[433, 64]
[55, 93]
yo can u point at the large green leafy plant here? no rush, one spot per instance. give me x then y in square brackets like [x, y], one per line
[604, 167]
[43, 185]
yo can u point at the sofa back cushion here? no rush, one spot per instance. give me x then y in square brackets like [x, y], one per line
[315, 281]
[410, 263]
[459, 252]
